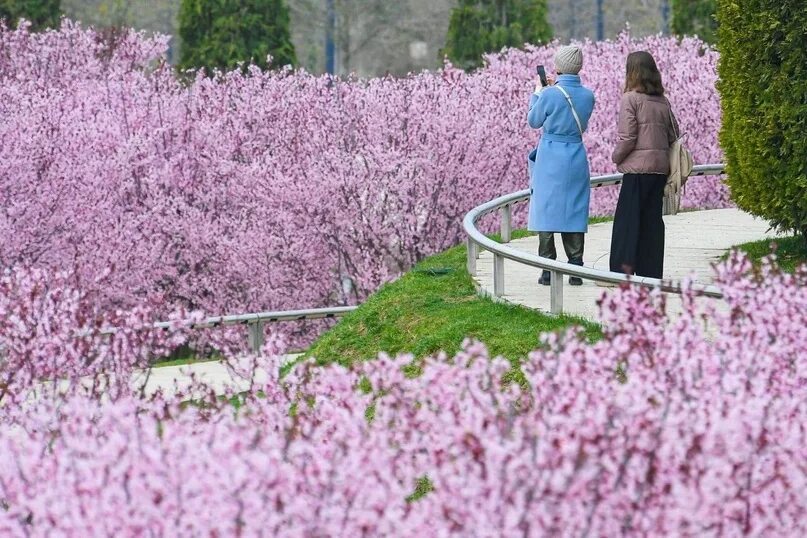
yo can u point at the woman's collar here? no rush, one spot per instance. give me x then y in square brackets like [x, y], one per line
[573, 79]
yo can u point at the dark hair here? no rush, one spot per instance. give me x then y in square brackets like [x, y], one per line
[642, 74]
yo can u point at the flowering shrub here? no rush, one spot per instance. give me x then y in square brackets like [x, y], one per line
[664, 428]
[265, 191]
[52, 332]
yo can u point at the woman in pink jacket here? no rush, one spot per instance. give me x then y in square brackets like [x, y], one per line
[647, 129]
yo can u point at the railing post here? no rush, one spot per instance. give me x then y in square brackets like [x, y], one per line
[256, 336]
[473, 250]
[556, 293]
[498, 275]
[507, 219]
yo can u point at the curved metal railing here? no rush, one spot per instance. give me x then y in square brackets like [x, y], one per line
[254, 321]
[476, 241]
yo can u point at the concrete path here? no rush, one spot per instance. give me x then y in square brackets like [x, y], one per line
[694, 241]
[171, 379]
[213, 373]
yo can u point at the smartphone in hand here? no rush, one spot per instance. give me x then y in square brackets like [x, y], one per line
[542, 75]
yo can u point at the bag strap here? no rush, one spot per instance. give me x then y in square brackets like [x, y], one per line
[676, 132]
[574, 112]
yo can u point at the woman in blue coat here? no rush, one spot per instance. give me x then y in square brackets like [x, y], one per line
[559, 171]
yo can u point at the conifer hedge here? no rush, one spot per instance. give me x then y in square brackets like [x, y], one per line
[763, 86]
[224, 33]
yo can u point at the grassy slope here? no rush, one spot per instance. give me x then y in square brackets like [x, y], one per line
[433, 308]
[790, 251]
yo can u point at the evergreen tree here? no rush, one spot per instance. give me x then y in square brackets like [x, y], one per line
[221, 33]
[763, 93]
[41, 13]
[695, 17]
[480, 26]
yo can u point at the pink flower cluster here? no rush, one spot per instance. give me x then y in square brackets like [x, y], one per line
[692, 426]
[269, 190]
[51, 332]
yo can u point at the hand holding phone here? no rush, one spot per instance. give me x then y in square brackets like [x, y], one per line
[542, 75]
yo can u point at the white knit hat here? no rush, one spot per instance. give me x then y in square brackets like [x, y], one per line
[569, 60]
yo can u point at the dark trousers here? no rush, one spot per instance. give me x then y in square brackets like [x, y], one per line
[573, 244]
[637, 242]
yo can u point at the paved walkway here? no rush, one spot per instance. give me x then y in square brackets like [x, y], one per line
[170, 379]
[214, 373]
[694, 241]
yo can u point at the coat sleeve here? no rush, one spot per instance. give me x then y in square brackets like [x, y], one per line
[628, 131]
[538, 110]
[587, 117]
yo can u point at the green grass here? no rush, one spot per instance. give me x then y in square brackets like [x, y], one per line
[790, 251]
[599, 220]
[433, 308]
[190, 359]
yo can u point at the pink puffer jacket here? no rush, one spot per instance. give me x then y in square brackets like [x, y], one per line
[647, 129]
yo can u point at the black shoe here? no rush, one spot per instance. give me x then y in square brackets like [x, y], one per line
[576, 280]
[546, 278]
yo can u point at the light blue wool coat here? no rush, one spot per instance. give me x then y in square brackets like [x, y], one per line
[558, 167]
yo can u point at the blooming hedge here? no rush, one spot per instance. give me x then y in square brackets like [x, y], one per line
[666, 427]
[267, 190]
[132, 193]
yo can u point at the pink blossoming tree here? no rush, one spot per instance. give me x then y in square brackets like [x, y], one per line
[265, 190]
[692, 427]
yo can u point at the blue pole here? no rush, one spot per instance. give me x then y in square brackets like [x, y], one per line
[330, 30]
[665, 15]
[600, 21]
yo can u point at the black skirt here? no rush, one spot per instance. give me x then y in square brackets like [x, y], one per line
[637, 242]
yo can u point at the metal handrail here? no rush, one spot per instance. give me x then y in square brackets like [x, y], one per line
[255, 321]
[265, 317]
[477, 240]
